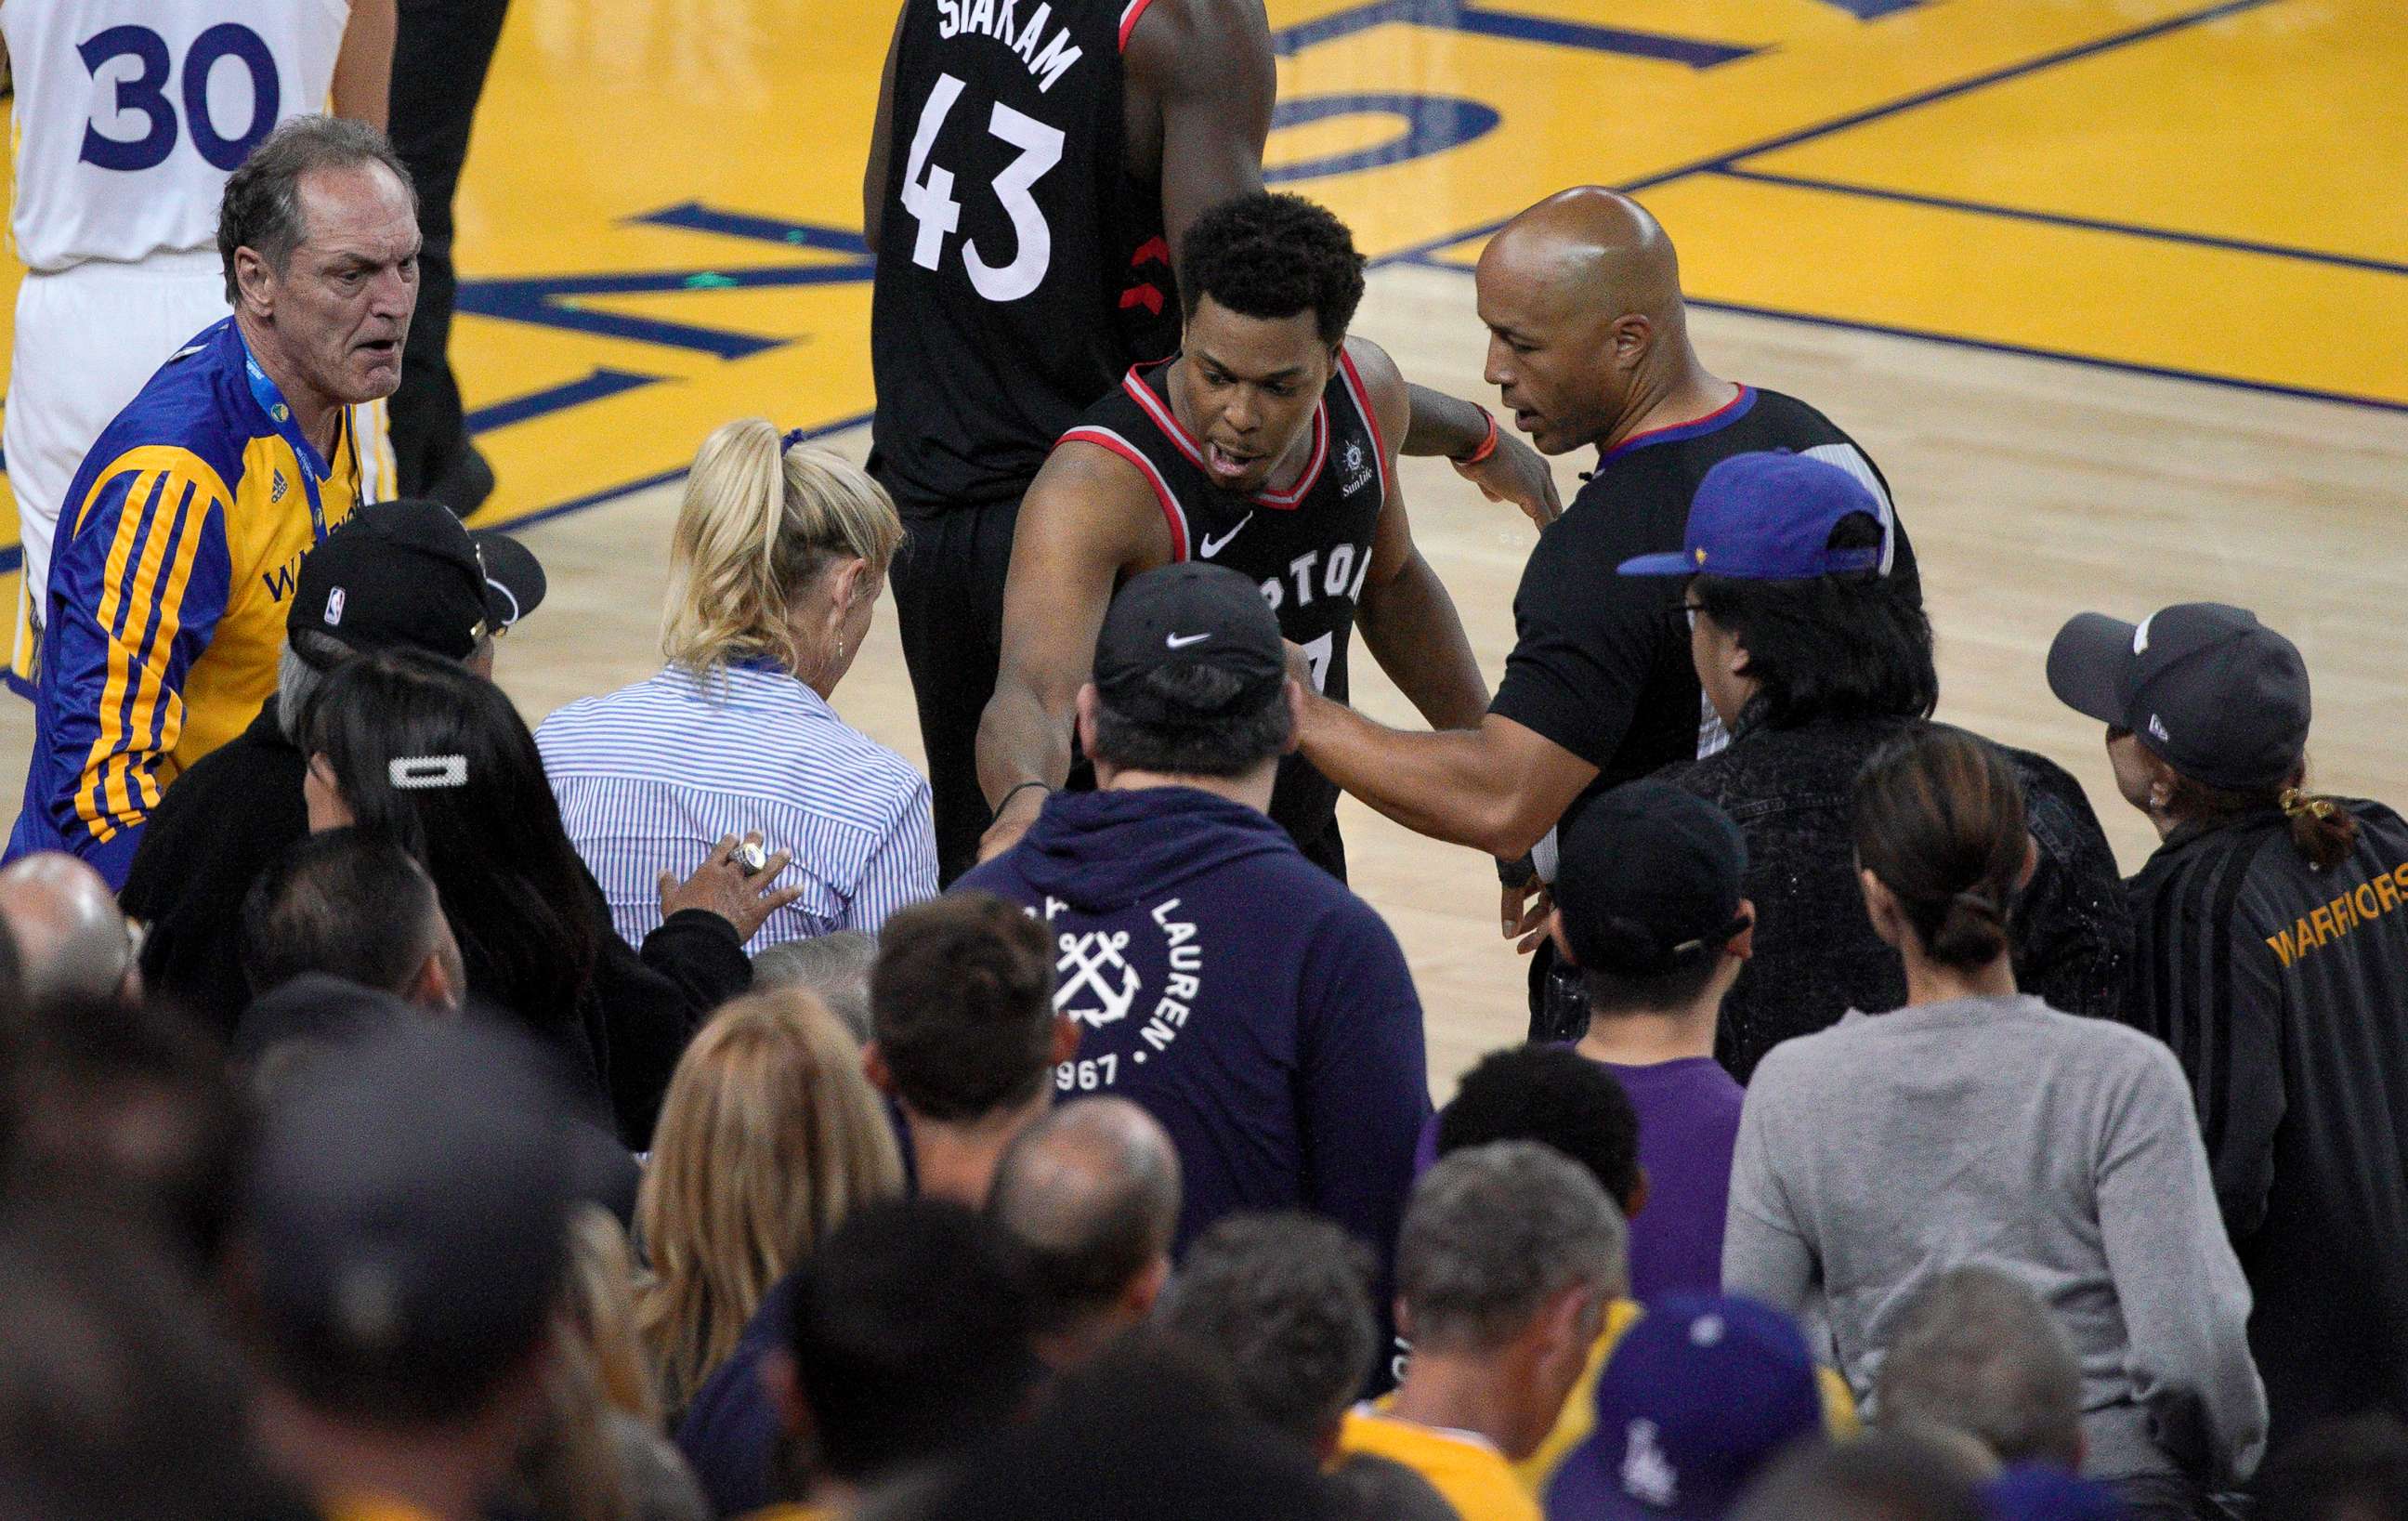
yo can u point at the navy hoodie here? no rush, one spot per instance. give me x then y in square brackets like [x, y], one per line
[1239, 993]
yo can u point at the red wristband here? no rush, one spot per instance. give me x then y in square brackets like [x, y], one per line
[1487, 445]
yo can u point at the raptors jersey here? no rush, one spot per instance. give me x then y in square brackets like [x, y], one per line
[1021, 270]
[1309, 547]
[130, 114]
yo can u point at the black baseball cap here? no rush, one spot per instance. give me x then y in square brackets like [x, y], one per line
[2207, 688]
[1189, 616]
[1649, 880]
[407, 1215]
[410, 573]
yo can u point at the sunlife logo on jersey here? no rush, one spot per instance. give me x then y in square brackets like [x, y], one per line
[1099, 985]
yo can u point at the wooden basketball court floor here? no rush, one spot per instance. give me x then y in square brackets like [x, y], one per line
[2116, 291]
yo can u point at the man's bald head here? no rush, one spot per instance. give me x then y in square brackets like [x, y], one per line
[1091, 1194]
[1582, 297]
[71, 939]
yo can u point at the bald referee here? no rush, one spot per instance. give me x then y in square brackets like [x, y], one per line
[1589, 346]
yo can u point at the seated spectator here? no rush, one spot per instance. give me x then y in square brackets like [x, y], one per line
[1884, 1476]
[406, 1225]
[768, 1139]
[911, 1341]
[1976, 1351]
[2063, 1149]
[1813, 659]
[1650, 909]
[347, 904]
[834, 966]
[966, 1042]
[1282, 1304]
[1563, 1100]
[2272, 959]
[1144, 1433]
[775, 566]
[121, 1399]
[599, 1455]
[1240, 994]
[419, 751]
[2354, 1470]
[963, 1037]
[1700, 1397]
[1089, 1194]
[1509, 1256]
[125, 1113]
[394, 576]
[72, 942]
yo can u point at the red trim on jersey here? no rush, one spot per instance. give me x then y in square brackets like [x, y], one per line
[1172, 513]
[1130, 15]
[1362, 395]
[1172, 429]
[1695, 422]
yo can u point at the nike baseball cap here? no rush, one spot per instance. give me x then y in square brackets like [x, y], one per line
[1189, 617]
[409, 574]
[1649, 880]
[2206, 688]
[1700, 1395]
[1768, 516]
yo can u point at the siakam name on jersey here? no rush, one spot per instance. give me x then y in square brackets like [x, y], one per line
[989, 19]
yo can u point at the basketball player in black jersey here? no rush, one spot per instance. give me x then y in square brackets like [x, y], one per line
[1033, 172]
[1267, 445]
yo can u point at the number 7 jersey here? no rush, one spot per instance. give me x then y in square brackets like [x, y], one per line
[1021, 268]
[130, 114]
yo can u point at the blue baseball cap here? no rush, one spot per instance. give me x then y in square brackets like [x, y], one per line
[1703, 1393]
[1767, 516]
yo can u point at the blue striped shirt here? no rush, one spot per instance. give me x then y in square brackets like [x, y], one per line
[651, 776]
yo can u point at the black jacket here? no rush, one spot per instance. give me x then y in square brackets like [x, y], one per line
[1816, 956]
[239, 807]
[2284, 991]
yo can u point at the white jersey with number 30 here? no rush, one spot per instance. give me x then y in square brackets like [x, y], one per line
[130, 114]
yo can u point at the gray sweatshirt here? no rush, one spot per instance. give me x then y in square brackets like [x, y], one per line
[2062, 1150]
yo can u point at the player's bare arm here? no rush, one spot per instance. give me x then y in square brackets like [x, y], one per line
[873, 175]
[362, 88]
[1497, 786]
[1199, 103]
[1505, 470]
[1408, 620]
[1088, 519]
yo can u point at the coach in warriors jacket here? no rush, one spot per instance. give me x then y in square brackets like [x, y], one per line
[2272, 955]
[180, 536]
[1245, 998]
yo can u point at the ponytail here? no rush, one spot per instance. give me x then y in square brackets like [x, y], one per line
[1938, 820]
[2321, 830]
[761, 518]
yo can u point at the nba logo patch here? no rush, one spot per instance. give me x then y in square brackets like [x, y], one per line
[335, 607]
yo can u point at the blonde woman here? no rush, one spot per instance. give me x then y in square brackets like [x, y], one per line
[778, 557]
[769, 1137]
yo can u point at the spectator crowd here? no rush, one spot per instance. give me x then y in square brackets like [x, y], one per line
[428, 1118]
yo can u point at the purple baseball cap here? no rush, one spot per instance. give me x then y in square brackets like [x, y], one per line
[1701, 1395]
[1768, 516]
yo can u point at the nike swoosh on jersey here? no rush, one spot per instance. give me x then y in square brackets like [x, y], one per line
[1213, 546]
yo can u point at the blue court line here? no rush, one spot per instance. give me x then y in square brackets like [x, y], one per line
[2053, 219]
[1455, 15]
[1419, 253]
[592, 386]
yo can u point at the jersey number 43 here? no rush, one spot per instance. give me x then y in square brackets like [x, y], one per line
[928, 195]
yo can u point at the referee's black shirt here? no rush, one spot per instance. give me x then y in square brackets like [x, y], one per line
[2284, 990]
[1600, 663]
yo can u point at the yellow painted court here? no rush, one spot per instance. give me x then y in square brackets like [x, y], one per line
[2116, 291]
